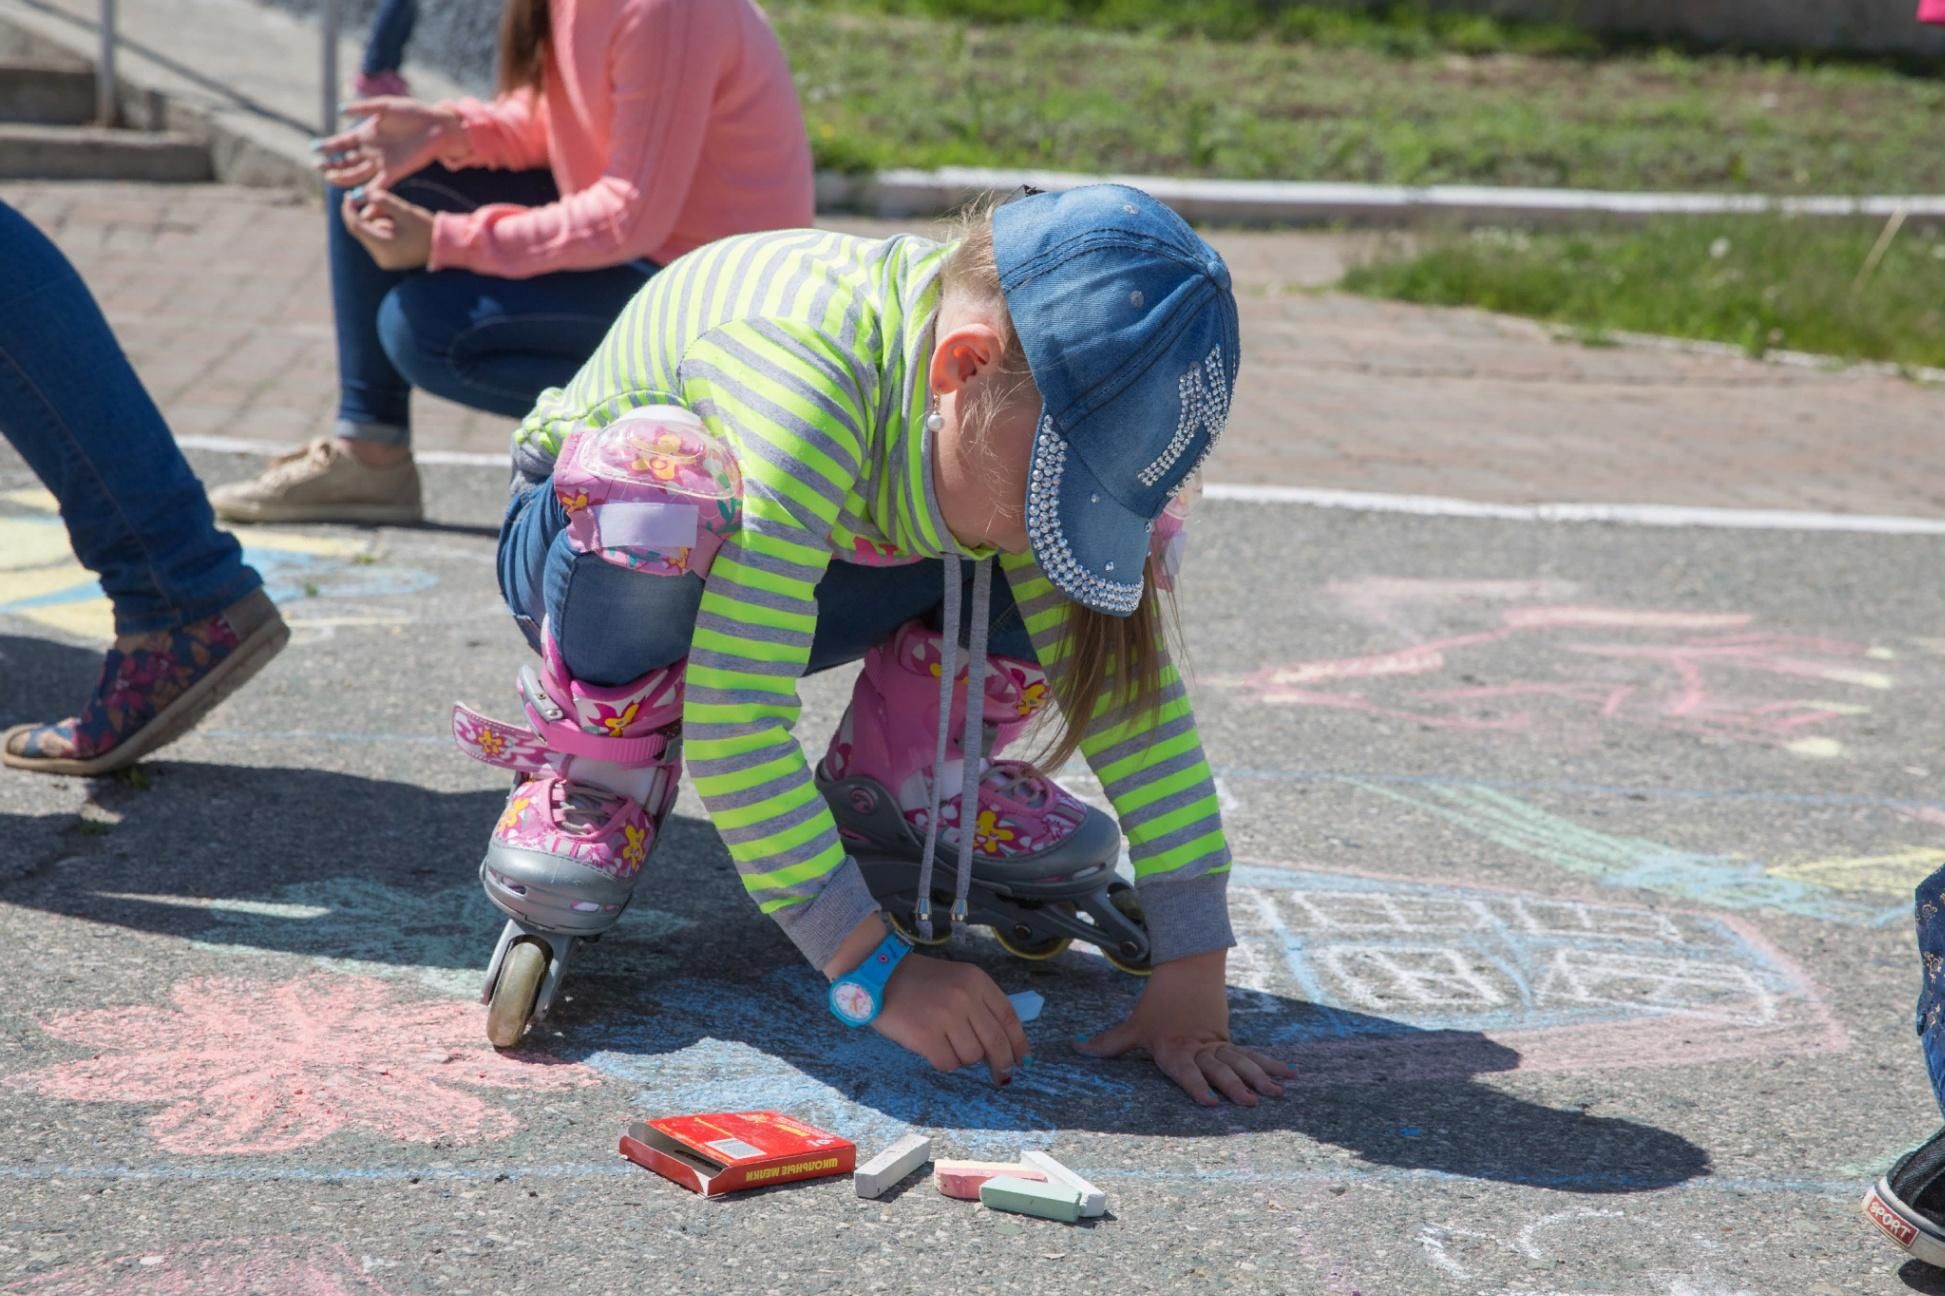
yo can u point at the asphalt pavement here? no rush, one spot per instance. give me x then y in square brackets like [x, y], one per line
[1574, 875]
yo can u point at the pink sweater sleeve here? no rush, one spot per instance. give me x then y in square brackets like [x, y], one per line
[509, 132]
[662, 68]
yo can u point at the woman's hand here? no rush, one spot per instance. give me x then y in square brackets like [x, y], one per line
[1182, 1022]
[953, 1015]
[398, 234]
[394, 137]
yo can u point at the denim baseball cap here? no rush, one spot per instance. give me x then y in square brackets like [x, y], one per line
[1129, 325]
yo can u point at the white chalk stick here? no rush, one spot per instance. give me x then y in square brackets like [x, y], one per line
[891, 1165]
[1094, 1202]
[1027, 1004]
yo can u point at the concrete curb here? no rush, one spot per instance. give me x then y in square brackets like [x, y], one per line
[901, 193]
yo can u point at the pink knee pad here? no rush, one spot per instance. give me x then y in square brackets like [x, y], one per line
[652, 491]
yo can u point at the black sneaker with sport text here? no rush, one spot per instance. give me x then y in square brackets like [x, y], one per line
[1908, 1202]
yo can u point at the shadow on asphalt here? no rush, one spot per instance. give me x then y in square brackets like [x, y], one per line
[703, 1003]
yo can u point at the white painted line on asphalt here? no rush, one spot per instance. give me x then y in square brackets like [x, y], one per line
[241, 445]
[1659, 515]
[1654, 515]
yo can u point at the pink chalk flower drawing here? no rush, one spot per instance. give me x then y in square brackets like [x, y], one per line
[257, 1067]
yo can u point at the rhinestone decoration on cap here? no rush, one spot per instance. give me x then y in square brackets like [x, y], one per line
[1050, 543]
[1205, 403]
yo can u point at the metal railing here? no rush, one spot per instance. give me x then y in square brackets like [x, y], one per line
[105, 114]
[328, 18]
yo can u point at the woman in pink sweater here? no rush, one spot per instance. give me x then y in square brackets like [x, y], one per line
[480, 250]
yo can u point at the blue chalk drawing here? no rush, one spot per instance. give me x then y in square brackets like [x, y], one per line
[1384, 956]
[1719, 881]
[771, 1043]
[441, 939]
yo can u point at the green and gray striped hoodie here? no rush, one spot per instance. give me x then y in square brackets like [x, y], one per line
[806, 352]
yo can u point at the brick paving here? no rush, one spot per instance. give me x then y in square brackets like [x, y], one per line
[219, 295]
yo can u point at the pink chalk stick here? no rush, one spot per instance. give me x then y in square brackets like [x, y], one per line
[962, 1179]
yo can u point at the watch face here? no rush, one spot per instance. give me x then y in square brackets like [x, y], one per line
[853, 1001]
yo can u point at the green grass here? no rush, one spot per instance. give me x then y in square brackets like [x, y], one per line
[1399, 28]
[1322, 95]
[1761, 283]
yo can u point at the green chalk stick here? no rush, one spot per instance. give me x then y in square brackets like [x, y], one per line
[1025, 1197]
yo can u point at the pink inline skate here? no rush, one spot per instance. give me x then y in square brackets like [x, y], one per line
[1043, 862]
[596, 774]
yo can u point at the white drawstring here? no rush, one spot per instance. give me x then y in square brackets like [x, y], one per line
[948, 667]
[972, 747]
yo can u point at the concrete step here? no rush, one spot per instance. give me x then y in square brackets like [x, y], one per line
[31, 152]
[46, 93]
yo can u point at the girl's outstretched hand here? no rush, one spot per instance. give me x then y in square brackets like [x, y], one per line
[1182, 1021]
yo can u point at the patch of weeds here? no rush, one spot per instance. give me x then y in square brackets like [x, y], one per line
[1761, 283]
[364, 560]
[93, 828]
[135, 776]
[310, 589]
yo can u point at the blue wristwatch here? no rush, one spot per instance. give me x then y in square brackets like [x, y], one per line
[859, 995]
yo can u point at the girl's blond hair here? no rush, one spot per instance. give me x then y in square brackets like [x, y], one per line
[1113, 665]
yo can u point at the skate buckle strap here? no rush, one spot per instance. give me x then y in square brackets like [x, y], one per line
[497, 742]
[563, 735]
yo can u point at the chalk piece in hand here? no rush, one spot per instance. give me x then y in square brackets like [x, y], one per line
[1027, 1004]
[962, 1179]
[877, 1175]
[1031, 1197]
[1094, 1202]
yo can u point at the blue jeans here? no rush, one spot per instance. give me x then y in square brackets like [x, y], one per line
[487, 343]
[75, 411]
[614, 625]
[1930, 906]
[391, 28]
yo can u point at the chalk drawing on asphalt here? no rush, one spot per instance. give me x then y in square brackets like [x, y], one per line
[771, 1042]
[42, 581]
[440, 939]
[249, 1067]
[287, 1265]
[1503, 1260]
[1571, 986]
[1639, 863]
[1711, 675]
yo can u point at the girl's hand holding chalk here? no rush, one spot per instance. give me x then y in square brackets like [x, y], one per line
[1182, 1022]
[398, 234]
[953, 1015]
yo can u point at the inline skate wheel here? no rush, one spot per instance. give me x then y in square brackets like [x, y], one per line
[1128, 901]
[904, 926]
[521, 973]
[1023, 947]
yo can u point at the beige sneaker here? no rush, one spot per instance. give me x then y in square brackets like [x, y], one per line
[322, 483]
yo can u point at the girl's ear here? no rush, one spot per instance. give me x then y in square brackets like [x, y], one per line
[962, 355]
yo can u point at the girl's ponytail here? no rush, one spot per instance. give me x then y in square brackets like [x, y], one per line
[525, 26]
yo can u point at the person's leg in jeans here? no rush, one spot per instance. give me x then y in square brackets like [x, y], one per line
[391, 29]
[488, 343]
[190, 618]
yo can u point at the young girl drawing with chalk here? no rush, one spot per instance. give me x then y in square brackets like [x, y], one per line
[802, 449]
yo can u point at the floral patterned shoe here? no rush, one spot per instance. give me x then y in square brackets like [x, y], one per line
[152, 693]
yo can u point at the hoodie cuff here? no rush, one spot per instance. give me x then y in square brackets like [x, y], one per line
[821, 926]
[1187, 918]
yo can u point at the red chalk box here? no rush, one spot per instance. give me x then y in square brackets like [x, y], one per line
[725, 1152]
